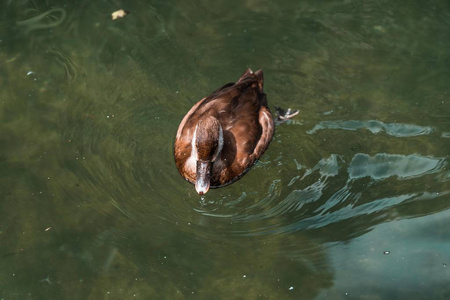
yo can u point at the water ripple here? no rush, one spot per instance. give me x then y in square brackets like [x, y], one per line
[384, 165]
[374, 126]
[349, 211]
[352, 211]
[324, 199]
[40, 21]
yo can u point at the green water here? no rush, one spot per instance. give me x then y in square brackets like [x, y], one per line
[350, 201]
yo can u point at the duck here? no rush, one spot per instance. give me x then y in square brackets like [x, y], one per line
[224, 134]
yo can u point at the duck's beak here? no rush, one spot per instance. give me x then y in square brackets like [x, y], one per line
[203, 177]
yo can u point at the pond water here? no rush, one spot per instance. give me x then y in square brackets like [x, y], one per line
[350, 201]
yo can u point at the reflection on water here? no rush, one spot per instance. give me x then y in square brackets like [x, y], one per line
[347, 202]
[400, 238]
[384, 165]
[93, 206]
[394, 129]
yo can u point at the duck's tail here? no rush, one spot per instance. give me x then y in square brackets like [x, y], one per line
[259, 77]
[259, 74]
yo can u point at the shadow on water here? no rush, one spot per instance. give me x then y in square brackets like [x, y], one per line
[93, 206]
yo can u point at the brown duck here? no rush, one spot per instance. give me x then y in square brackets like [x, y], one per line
[223, 134]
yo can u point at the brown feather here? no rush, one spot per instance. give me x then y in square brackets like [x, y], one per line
[242, 111]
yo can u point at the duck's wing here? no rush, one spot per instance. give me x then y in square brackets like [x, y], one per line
[245, 142]
[248, 130]
[267, 130]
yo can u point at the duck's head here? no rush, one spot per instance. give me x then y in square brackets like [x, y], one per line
[207, 144]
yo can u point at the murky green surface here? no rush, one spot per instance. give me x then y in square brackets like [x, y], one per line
[351, 200]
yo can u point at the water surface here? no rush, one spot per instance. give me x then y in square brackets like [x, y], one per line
[351, 200]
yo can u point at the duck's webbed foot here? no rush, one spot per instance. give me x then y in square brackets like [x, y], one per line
[284, 114]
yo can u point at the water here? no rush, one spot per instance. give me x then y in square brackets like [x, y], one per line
[350, 201]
